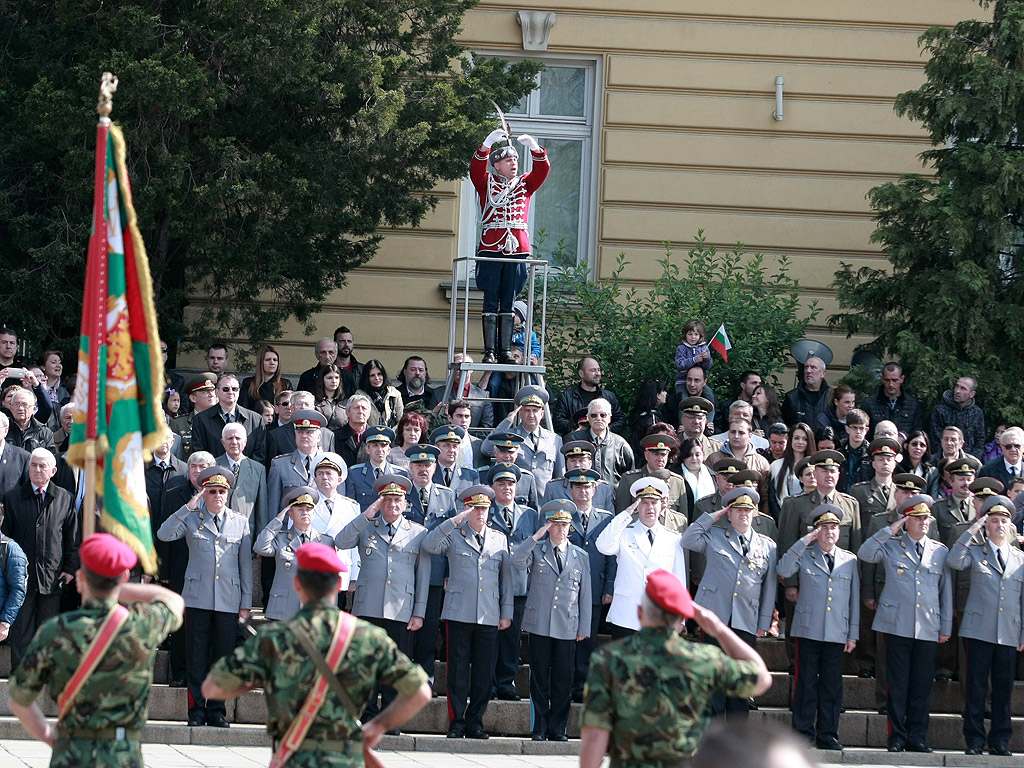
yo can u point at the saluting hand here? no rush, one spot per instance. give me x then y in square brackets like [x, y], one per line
[896, 527]
[542, 531]
[978, 523]
[718, 513]
[809, 537]
[372, 510]
[461, 517]
[193, 503]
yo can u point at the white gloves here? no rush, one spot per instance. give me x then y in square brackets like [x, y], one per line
[493, 136]
[529, 142]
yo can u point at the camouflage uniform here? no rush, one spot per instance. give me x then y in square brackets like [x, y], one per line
[114, 696]
[274, 660]
[651, 692]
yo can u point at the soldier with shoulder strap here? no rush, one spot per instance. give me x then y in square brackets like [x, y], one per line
[309, 724]
[97, 661]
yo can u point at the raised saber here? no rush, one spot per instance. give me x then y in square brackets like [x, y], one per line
[504, 122]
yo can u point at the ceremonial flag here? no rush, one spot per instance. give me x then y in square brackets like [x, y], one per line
[117, 415]
[721, 344]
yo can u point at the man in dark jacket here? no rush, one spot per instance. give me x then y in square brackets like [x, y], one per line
[809, 400]
[958, 409]
[578, 397]
[891, 403]
[40, 516]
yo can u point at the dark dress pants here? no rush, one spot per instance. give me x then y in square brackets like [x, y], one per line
[510, 642]
[425, 642]
[984, 661]
[551, 670]
[729, 705]
[404, 640]
[909, 673]
[470, 668]
[584, 648]
[209, 635]
[34, 611]
[500, 282]
[818, 689]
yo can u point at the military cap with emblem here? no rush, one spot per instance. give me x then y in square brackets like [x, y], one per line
[966, 465]
[299, 495]
[558, 511]
[201, 381]
[422, 452]
[746, 477]
[917, 506]
[826, 513]
[106, 556]
[987, 486]
[314, 556]
[504, 152]
[504, 472]
[997, 505]
[668, 593]
[694, 406]
[742, 498]
[216, 477]
[307, 418]
[828, 458]
[477, 496]
[506, 440]
[578, 448]
[801, 466]
[332, 460]
[659, 443]
[648, 488]
[884, 446]
[379, 434]
[446, 433]
[392, 485]
[729, 466]
[531, 394]
[580, 416]
[908, 481]
[582, 476]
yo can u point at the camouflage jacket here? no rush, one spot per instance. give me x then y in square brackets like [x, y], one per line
[274, 660]
[651, 691]
[117, 692]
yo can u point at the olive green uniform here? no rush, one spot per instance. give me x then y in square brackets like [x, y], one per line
[102, 727]
[274, 660]
[651, 692]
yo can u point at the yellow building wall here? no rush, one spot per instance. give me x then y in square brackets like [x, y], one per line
[686, 141]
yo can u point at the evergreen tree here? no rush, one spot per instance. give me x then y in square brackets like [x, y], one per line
[952, 301]
[269, 141]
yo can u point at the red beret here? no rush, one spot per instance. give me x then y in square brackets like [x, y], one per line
[319, 557]
[668, 593]
[106, 556]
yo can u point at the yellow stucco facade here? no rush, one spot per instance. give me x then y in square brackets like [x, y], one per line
[681, 136]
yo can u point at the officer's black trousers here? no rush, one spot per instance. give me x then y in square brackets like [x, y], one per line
[425, 642]
[404, 640]
[551, 665]
[909, 672]
[985, 660]
[818, 689]
[209, 635]
[584, 648]
[470, 668]
[510, 641]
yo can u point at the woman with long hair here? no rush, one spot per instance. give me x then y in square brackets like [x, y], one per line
[784, 480]
[700, 481]
[411, 429]
[330, 396]
[51, 363]
[268, 380]
[646, 411]
[385, 399]
[916, 451]
[767, 411]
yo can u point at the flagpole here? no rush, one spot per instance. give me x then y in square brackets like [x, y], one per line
[95, 302]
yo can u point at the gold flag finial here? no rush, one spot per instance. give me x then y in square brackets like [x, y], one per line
[107, 88]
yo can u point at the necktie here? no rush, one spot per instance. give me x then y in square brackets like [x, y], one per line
[920, 550]
[307, 466]
[963, 508]
[830, 559]
[480, 540]
[234, 468]
[558, 559]
[391, 531]
[650, 536]
[330, 507]
[376, 473]
[448, 477]
[743, 545]
[999, 556]
[586, 520]
[1013, 471]
[533, 439]
[423, 498]
[508, 517]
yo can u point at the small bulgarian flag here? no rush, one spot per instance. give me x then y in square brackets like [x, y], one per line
[721, 344]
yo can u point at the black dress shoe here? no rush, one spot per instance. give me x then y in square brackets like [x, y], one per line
[218, 721]
[177, 683]
[972, 751]
[477, 733]
[508, 695]
[538, 737]
[865, 674]
[393, 732]
[557, 737]
[456, 732]
[832, 744]
[897, 746]
[1001, 751]
[918, 746]
[196, 720]
[883, 710]
[943, 678]
[577, 698]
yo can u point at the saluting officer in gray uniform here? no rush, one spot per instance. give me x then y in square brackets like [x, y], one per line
[540, 450]
[579, 454]
[915, 611]
[280, 543]
[507, 446]
[557, 616]
[992, 626]
[394, 569]
[825, 625]
[218, 583]
[478, 603]
[739, 581]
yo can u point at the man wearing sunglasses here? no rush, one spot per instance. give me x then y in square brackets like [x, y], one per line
[208, 425]
[1008, 466]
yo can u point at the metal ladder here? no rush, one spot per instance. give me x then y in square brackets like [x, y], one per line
[459, 373]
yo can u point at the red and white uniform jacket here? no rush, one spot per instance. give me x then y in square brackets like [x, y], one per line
[505, 203]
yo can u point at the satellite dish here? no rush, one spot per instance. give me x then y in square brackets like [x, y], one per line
[864, 359]
[805, 348]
